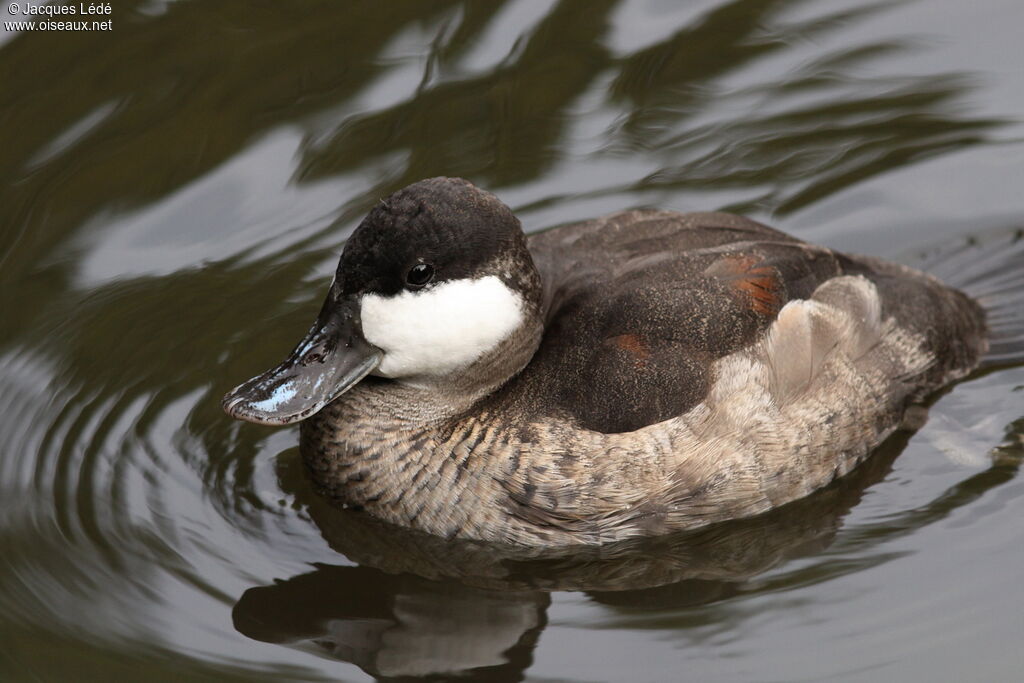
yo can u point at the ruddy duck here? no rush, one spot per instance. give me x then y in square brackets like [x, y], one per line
[635, 374]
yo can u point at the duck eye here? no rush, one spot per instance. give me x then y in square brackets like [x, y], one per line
[420, 274]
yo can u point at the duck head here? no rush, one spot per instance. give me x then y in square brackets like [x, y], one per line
[435, 289]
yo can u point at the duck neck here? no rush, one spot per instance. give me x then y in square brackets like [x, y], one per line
[382, 444]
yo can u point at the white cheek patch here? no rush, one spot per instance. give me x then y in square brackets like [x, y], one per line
[441, 329]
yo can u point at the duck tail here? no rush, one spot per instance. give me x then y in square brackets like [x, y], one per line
[990, 269]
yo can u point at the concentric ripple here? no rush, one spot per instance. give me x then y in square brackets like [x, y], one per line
[112, 530]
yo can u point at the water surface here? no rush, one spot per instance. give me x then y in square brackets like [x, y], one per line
[175, 193]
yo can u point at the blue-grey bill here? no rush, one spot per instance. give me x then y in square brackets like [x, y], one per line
[331, 359]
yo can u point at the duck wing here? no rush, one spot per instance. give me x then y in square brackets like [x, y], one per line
[640, 304]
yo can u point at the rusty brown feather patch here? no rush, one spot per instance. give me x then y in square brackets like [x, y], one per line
[748, 276]
[632, 344]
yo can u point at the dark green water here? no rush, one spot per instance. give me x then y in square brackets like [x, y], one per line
[173, 197]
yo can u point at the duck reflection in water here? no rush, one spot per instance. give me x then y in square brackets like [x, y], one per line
[398, 626]
[421, 606]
